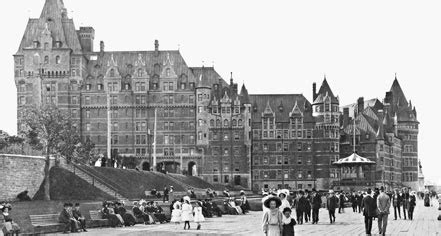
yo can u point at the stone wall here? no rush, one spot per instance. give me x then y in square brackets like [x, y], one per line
[20, 173]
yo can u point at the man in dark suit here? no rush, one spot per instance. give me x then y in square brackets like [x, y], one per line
[79, 217]
[316, 204]
[396, 202]
[67, 219]
[359, 200]
[332, 204]
[369, 211]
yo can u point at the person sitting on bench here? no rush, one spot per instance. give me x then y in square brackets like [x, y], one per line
[79, 217]
[67, 219]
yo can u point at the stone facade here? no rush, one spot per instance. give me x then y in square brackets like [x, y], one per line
[20, 173]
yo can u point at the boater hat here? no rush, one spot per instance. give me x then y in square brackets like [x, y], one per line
[266, 203]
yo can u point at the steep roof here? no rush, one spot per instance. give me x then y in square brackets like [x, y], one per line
[62, 29]
[324, 91]
[209, 73]
[374, 103]
[399, 98]
[275, 102]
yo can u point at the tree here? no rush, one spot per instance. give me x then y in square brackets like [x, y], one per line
[86, 152]
[11, 144]
[52, 131]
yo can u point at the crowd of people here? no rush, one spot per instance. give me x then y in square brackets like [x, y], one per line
[373, 204]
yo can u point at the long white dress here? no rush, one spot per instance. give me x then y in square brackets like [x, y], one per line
[176, 213]
[187, 212]
[285, 204]
[198, 216]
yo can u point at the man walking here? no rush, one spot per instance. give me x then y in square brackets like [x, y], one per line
[166, 192]
[332, 204]
[405, 197]
[396, 201]
[369, 211]
[383, 204]
[316, 204]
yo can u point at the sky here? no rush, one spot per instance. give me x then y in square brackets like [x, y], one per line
[278, 46]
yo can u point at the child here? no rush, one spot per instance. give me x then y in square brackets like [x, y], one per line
[176, 213]
[198, 216]
[187, 212]
[288, 223]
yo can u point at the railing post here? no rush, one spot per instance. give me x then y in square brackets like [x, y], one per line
[93, 181]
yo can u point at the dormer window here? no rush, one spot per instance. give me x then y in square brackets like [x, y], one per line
[100, 87]
[58, 44]
[140, 72]
[88, 87]
[46, 46]
[167, 72]
[182, 86]
[112, 73]
[36, 44]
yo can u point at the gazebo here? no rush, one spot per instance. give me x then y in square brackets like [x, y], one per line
[351, 172]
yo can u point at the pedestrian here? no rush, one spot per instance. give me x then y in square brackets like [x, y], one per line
[307, 206]
[369, 210]
[166, 194]
[9, 226]
[353, 199]
[359, 200]
[341, 208]
[198, 217]
[396, 202]
[405, 200]
[383, 205]
[283, 195]
[176, 213]
[412, 204]
[426, 199]
[265, 196]
[316, 204]
[187, 212]
[288, 223]
[332, 204]
[272, 219]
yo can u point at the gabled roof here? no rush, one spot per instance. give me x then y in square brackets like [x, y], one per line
[209, 73]
[374, 103]
[324, 93]
[261, 101]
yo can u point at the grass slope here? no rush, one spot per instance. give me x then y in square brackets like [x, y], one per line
[64, 185]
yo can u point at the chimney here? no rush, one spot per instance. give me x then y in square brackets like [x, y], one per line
[314, 91]
[360, 104]
[231, 79]
[102, 46]
[345, 116]
[87, 36]
[156, 47]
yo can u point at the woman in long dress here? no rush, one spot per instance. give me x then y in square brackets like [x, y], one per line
[283, 195]
[198, 216]
[176, 213]
[187, 212]
[272, 219]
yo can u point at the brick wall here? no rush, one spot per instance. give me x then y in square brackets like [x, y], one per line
[20, 173]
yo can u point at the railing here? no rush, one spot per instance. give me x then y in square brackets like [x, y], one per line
[94, 177]
[354, 183]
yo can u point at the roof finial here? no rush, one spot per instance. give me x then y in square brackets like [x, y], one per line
[231, 79]
[325, 76]
[203, 64]
[395, 75]
[212, 62]
[179, 47]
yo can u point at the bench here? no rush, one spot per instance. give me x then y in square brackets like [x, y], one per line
[46, 223]
[97, 216]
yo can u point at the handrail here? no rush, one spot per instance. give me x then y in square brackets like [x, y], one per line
[100, 180]
[103, 177]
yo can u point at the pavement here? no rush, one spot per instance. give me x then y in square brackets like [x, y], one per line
[349, 223]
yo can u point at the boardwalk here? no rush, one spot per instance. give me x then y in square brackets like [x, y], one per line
[349, 223]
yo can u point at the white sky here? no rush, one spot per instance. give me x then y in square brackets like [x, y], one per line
[272, 46]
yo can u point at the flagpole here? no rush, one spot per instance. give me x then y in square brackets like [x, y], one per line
[154, 144]
[109, 128]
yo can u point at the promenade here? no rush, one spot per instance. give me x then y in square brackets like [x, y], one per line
[425, 223]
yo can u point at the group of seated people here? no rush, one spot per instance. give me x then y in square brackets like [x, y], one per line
[210, 209]
[9, 227]
[72, 218]
[117, 214]
[236, 207]
[156, 193]
[149, 212]
[211, 193]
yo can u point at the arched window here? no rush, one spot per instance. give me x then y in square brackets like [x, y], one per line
[57, 60]
[218, 123]
[112, 73]
[167, 72]
[234, 123]
[139, 72]
[127, 86]
[46, 60]
[211, 123]
[240, 123]
[226, 123]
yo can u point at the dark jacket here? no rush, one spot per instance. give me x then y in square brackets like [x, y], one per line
[316, 202]
[332, 203]
[137, 212]
[359, 199]
[412, 201]
[303, 204]
[64, 216]
[368, 205]
[77, 214]
[396, 200]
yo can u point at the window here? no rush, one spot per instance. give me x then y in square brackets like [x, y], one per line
[226, 123]
[46, 60]
[87, 127]
[87, 100]
[87, 113]
[57, 60]
[299, 160]
[22, 100]
[191, 99]
[112, 73]
[139, 72]
[74, 100]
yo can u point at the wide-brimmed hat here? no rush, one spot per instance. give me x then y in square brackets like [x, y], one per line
[284, 192]
[186, 198]
[266, 203]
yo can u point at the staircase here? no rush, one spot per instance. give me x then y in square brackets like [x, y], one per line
[94, 180]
